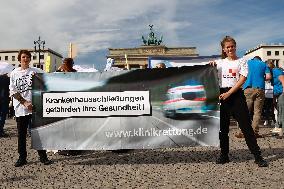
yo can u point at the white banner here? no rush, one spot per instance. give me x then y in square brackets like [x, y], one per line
[96, 104]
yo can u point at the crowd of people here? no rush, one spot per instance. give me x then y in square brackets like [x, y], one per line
[249, 91]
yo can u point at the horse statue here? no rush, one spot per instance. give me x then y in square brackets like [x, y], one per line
[152, 39]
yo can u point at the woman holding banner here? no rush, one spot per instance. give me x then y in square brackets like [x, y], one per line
[20, 89]
[232, 73]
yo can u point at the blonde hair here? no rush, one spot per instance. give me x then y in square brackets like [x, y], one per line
[224, 40]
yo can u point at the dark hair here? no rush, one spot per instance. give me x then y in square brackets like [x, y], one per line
[224, 40]
[161, 65]
[67, 65]
[23, 51]
[257, 57]
[68, 61]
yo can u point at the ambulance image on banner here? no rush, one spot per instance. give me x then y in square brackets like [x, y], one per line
[186, 99]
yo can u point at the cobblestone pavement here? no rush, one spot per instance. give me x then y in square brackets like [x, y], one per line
[159, 168]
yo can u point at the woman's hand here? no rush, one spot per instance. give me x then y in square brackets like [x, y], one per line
[28, 105]
[224, 96]
[212, 63]
[234, 89]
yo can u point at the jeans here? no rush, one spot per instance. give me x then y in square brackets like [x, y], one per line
[268, 109]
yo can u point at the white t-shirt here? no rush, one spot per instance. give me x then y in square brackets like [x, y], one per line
[229, 71]
[21, 82]
[268, 90]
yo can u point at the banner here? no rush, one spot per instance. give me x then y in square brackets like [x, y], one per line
[137, 109]
[153, 62]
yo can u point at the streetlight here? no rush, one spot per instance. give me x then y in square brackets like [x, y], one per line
[39, 46]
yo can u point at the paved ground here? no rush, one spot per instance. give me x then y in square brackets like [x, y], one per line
[161, 168]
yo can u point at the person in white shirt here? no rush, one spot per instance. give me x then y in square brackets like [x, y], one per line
[20, 89]
[232, 73]
[268, 107]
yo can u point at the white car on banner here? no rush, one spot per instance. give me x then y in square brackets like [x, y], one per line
[187, 99]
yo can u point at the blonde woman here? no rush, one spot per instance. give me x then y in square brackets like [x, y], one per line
[232, 73]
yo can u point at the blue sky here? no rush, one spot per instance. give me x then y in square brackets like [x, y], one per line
[96, 25]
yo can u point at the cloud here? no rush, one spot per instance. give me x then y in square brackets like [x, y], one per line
[98, 25]
[59, 22]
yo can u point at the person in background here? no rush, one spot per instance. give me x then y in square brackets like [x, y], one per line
[20, 89]
[67, 66]
[253, 88]
[160, 65]
[280, 111]
[232, 73]
[4, 102]
[11, 113]
[268, 107]
[278, 86]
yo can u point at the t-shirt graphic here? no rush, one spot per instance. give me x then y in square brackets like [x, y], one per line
[231, 73]
[21, 82]
[24, 83]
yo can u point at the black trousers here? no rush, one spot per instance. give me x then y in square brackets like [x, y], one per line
[236, 106]
[22, 126]
[268, 109]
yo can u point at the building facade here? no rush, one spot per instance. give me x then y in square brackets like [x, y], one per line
[48, 60]
[272, 52]
[137, 58]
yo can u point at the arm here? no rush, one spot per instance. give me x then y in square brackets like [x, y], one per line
[236, 87]
[212, 63]
[268, 76]
[18, 97]
[24, 102]
[281, 79]
[15, 94]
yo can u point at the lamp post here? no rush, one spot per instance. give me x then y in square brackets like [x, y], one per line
[39, 46]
